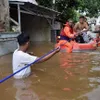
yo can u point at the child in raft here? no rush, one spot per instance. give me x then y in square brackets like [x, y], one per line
[21, 58]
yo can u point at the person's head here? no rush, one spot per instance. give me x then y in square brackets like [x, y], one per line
[81, 19]
[71, 23]
[23, 40]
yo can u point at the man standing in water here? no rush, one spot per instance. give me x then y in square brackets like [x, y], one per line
[81, 28]
[21, 58]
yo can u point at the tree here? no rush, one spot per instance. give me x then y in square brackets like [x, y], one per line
[4, 16]
[91, 7]
[68, 8]
[45, 3]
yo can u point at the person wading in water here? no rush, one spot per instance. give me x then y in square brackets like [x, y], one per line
[21, 58]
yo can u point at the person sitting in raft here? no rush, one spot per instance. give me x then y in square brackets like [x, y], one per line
[67, 35]
[81, 28]
[97, 31]
[21, 58]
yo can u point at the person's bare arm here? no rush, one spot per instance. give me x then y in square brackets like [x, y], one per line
[49, 56]
[76, 27]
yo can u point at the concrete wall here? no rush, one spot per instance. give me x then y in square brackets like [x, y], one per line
[8, 43]
[38, 27]
[57, 25]
[7, 47]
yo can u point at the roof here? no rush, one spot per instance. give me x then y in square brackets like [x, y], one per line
[34, 3]
[30, 1]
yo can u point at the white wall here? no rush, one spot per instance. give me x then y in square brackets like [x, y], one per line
[8, 43]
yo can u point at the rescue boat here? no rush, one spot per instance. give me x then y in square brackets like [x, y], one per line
[81, 47]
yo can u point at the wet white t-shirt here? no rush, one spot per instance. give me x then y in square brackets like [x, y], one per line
[20, 60]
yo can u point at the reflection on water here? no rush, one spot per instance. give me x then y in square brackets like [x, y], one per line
[65, 76]
[24, 92]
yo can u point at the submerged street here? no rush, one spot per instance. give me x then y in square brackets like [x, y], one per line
[65, 76]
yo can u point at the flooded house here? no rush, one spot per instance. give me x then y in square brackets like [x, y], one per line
[28, 17]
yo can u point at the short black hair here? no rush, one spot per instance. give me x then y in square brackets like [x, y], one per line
[23, 39]
[81, 17]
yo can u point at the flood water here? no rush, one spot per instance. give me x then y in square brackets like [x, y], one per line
[65, 76]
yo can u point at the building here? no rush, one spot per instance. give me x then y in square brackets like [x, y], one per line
[31, 18]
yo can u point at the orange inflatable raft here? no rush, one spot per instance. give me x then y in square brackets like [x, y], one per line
[81, 47]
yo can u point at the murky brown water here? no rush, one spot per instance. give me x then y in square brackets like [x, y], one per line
[65, 76]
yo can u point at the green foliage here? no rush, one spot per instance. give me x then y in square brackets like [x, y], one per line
[68, 8]
[91, 7]
[46, 3]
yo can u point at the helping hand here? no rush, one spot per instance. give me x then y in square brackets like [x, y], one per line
[76, 34]
[31, 53]
[57, 48]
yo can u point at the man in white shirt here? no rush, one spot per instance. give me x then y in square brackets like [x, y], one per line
[21, 58]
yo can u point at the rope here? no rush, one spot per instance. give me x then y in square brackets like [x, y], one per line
[6, 78]
[39, 59]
